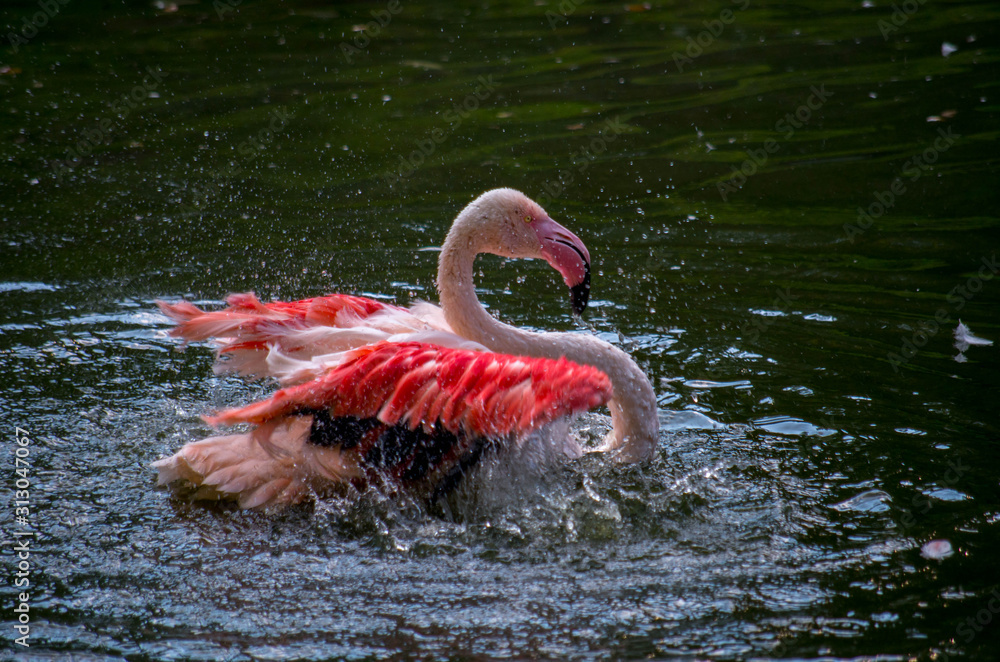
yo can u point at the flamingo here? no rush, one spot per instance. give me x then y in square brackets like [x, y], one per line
[414, 397]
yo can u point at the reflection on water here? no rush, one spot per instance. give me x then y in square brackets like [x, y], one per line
[792, 215]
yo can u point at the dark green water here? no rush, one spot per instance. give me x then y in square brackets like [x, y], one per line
[275, 147]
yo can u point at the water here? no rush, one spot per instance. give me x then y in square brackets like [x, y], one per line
[824, 442]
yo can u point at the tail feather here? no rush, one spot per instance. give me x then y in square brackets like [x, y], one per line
[280, 491]
[195, 324]
[271, 466]
[180, 312]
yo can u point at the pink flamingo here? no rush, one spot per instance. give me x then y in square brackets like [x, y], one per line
[409, 398]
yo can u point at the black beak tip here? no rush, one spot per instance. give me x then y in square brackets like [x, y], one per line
[581, 294]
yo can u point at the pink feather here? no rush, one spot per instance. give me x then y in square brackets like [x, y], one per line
[394, 382]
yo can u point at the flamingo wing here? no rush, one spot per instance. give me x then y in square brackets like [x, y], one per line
[415, 415]
[294, 341]
[246, 314]
[429, 386]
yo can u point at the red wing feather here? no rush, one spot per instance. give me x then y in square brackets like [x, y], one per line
[486, 394]
[246, 313]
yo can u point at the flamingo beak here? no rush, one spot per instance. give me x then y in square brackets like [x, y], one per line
[566, 253]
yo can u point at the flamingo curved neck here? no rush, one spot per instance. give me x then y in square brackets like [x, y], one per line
[633, 405]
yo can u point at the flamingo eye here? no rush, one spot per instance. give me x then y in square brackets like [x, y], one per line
[528, 219]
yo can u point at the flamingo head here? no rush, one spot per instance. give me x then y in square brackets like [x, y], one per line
[513, 225]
